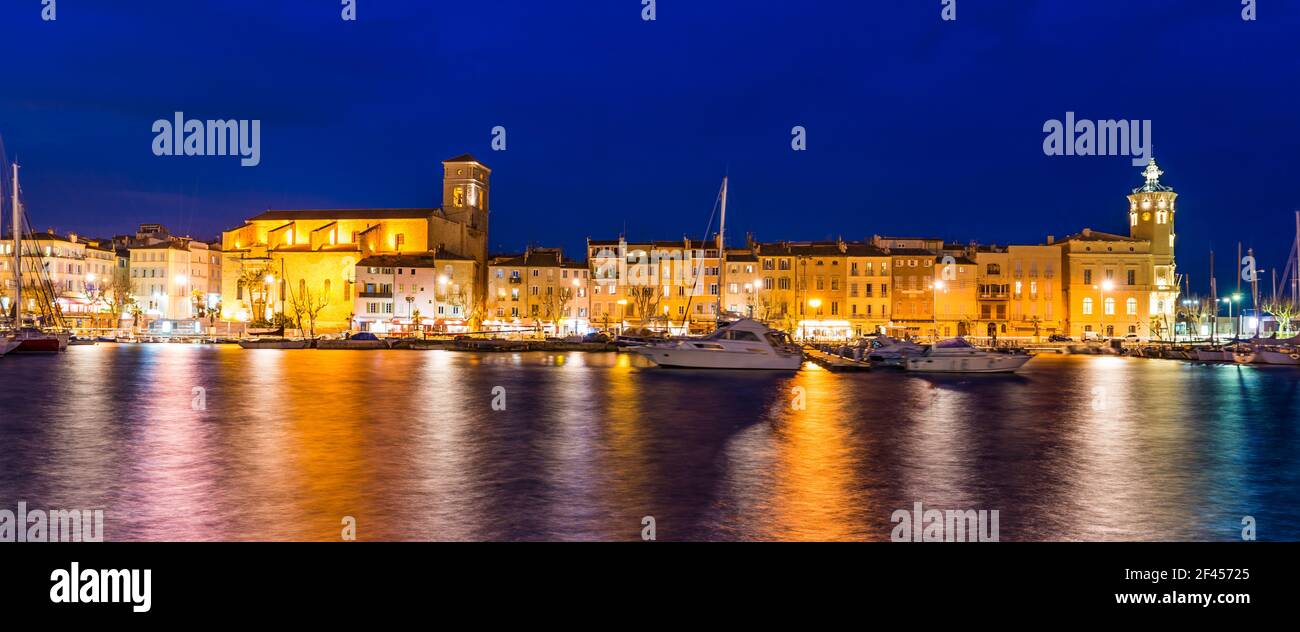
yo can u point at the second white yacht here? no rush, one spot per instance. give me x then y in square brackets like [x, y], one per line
[958, 356]
[744, 344]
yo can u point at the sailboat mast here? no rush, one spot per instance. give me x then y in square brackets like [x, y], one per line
[18, 254]
[722, 249]
[1214, 296]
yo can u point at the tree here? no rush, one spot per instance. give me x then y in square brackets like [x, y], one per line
[137, 314]
[473, 311]
[1158, 327]
[1284, 311]
[556, 303]
[1192, 312]
[645, 301]
[118, 291]
[253, 282]
[313, 305]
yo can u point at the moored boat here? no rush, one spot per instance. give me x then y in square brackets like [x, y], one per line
[1277, 355]
[1212, 354]
[7, 345]
[361, 341]
[429, 345]
[274, 343]
[37, 341]
[743, 344]
[891, 352]
[959, 356]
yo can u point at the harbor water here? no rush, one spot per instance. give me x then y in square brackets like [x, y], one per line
[189, 442]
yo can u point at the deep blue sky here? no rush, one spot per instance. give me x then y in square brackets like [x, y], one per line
[916, 126]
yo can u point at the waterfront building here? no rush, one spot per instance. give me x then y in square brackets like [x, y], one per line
[743, 291]
[823, 289]
[319, 250]
[176, 279]
[954, 289]
[670, 286]
[1021, 293]
[417, 293]
[79, 272]
[914, 294]
[539, 291]
[1120, 285]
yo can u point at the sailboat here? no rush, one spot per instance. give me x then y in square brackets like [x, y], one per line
[742, 344]
[29, 339]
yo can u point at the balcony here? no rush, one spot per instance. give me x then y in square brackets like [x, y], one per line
[375, 294]
[516, 280]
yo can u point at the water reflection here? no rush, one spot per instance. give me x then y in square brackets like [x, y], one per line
[284, 444]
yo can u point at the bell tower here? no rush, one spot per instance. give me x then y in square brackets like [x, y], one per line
[1151, 218]
[1151, 213]
[465, 185]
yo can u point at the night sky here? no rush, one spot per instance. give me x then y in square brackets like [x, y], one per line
[916, 126]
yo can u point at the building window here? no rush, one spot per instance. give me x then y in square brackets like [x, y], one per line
[1131, 307]
[1087, 307]
[1087, 275]
[1110, 307]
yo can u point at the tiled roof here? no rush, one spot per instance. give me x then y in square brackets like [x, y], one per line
[1096, 235]
[379, 213]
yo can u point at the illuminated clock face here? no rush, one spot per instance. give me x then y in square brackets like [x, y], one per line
[1146, 217]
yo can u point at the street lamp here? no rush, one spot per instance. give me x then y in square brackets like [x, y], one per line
[1236, 329]
[1236, 298]
[622, 302]
[934, 309]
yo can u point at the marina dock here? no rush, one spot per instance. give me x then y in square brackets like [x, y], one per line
[835, 363]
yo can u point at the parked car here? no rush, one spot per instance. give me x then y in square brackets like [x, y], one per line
[1059, 338]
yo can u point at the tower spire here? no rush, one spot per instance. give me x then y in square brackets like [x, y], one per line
[1152, 174]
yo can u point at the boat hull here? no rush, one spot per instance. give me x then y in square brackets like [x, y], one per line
[1213, 355]
[678, 358]
[1264, 356]
[7, 345]
[47, 344]
[351, 344]
[275, 344]
[991, 363]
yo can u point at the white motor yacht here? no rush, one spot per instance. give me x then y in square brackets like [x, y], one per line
[887, 351]
[958, 356]
[744, 344]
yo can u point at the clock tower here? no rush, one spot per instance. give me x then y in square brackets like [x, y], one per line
[1151, 213]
